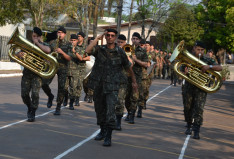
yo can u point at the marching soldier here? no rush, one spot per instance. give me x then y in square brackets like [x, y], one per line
[121, 41]
[145, 83]
[140, 60]
[31, 82]
[81, 65]
[73, 75]
[193, 97]
[63, 48]
[104, 80]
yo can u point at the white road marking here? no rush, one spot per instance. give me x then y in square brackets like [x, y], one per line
[184, 147]
[21, 121]
[77, 145]
[95, 133]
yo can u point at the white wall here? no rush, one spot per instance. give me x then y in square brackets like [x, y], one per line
[8, 29]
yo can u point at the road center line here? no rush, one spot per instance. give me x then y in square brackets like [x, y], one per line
[96, 132]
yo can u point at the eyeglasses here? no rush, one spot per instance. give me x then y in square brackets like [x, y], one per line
[110, 35]
[73, 40]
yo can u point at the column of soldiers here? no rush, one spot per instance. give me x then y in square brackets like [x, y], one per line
[116, 81]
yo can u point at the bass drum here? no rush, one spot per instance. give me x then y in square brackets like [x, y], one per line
[89, 66]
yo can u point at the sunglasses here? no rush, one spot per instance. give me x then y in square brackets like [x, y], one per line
[110, 35]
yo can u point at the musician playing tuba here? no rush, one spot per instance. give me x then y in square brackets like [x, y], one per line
[193, 97]
[31, 82]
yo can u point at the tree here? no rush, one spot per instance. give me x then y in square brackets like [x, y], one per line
[180, 25]
[11, 12]
[217, 19]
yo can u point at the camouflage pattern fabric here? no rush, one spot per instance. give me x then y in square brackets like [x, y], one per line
[30, 82]
[105, 79]
[194, 99]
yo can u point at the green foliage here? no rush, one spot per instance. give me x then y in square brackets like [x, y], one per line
[11, 12]
[217, 19]
[180, 25]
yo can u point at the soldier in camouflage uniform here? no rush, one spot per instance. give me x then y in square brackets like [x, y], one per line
[105, 80]
[121, 41]
[143, 87]
[194, 98]
[73, 72]
[31, 82]
[81, 65]
[140, 60]
[63, 49]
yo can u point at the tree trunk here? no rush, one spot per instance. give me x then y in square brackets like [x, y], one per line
[130, 21]
[120, 6]
[95, 19]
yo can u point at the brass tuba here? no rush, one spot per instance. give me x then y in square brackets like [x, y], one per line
[34, 59]
[210, 81]
[129, 49]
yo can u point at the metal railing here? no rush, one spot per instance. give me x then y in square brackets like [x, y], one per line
[4, 48]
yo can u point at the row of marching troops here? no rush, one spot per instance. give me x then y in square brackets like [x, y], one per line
[118, 80]
[130, 86]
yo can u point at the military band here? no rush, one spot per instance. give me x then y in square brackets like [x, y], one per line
[118, 81]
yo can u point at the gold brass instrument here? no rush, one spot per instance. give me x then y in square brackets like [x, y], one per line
[34, 58]
[210, 81]
[129, 49]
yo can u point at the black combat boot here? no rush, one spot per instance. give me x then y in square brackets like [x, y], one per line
[127, 117]
[196, 130]
[102, 134]
[86, 98]
[139, 112]
[31, 115]
[188, 131]
[131, 117]
[107, 140]
[50, 101]
[118, 122]
[65, 101]
[58, 109]
[90, 99]
[71, 104]
[77, 101]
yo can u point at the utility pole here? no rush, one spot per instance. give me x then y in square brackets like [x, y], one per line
[119, 9]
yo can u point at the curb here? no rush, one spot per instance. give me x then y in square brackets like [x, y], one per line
[11, 75]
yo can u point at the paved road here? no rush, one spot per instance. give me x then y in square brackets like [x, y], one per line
[159, 134]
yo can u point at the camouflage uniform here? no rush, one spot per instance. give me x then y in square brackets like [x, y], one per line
[62, 69]
[145, 84]
[194, 99]
[122, 94]
[81, 70]
[72, 76]
[105, 81]
[31, 82]
[133, 97]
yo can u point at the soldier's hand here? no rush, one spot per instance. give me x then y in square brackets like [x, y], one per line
[134, 58]
[58, 50]
[20, 54]
[205, 68]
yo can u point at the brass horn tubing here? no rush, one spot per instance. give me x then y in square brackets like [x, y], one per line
[50, 73]
[207, 89]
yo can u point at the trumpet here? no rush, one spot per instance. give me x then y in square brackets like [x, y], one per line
[129, 49]
[210, 81]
